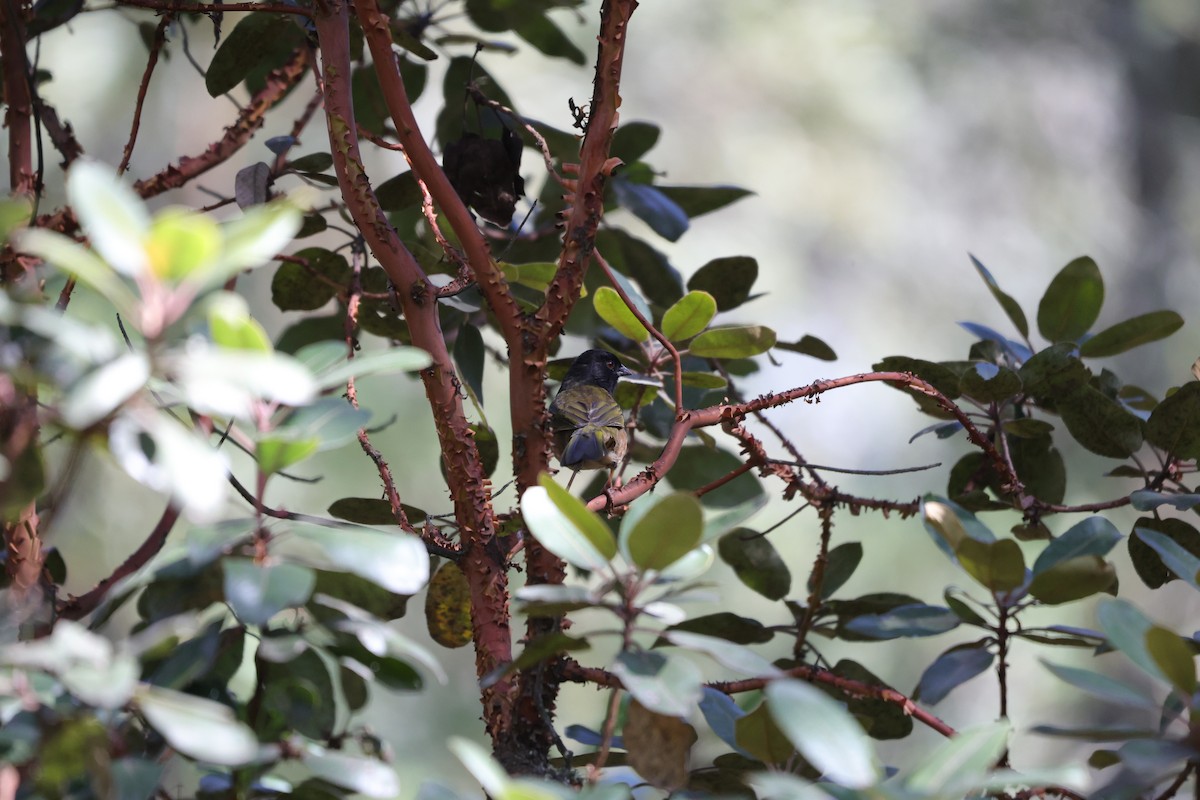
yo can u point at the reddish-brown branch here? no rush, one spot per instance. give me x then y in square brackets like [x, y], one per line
[649, 326]
[425, 167]
[586, 204]
[18, 98]
[482, 560]
[175, 6]
[156, 45]
[733, 412]
[79, 607]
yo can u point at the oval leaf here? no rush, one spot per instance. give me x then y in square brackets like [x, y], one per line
[688, 316]
[612, 309]
[824, 733]
[1072, 301]
[738, 342]
[1131, 333]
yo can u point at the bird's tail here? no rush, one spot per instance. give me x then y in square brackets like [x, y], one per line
[586, 444]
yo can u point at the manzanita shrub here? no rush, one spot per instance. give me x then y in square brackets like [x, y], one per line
[246, 643]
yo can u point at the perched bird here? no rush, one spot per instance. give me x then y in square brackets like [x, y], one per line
[589, 429]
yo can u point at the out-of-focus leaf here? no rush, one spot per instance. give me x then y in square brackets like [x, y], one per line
[1131, 333]
[660, 282]
[728, 626]
[1072, 302]
[1151, 567]
[728, 279]
[231, 326]
[698, 466]
[1010, 306]
[1126, 628]
[396, 561]
[362, 775]
[828, 737]
[632, 140]
[999, 565]
[1174, 657]
[201, 729]
[729, 654]
[1175, 424]
[104, 389]
[112, 215]
[957, 765]
[669, 685]
[1011, 348]
[258, 592]
[658, 746]
[1148, 500]
[1174, 556]
[664, 533]
[1106, 688]
[904, 621]
[841, 563]
[564, 526]
[950, 670]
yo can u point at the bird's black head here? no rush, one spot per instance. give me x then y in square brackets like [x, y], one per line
[598, 368]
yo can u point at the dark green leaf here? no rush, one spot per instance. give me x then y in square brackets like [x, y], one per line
[1175, 424]
[1175, 557]
[1148, 500]
[950, 670]
[1010, 306]
[939, 376]
[1102, 425]
[660, 282]
[1131, 333]
[311, 330]
[1054, 371]
[1072, 301]
[542, 33]
[260, 41]
[632, 140]
[728, 626]
[1040, 467]
[756, 562]
[881, 719]
[296, 287]
[399, 192]
[841, 563]
[1028, 428]
[809, 346]
[359, 592]
[372, 511]
[313, 162]
[698, 466]
[728, 279]
[665, 533]
[469, 356]
[757, 734]
[987, 382]
[652, 207]
[698, 200]
[1146, 560]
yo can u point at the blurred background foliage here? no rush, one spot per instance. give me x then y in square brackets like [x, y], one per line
[884, 139]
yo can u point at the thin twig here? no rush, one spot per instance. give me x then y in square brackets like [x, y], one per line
[156, 45]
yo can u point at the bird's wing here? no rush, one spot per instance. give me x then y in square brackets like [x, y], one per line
[585, 405]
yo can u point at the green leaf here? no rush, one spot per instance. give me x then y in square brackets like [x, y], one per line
[313, 162]
[704, 380]
[651, 206]
[809, 346]
[399, 193]
[259, 42]
[950, 670]
[395, 560]
[1073, 579]
[698, 200]
[15, 213]
[728, 279]
[303, 288]
[64, 254]
[688, 316]
[1027, 428]
[381, 361]
[564, 526]
[275, 454]
[1010, 306]
[1131, 333]
[669, 685]
[756, 562]
[612, 309]
[1104, 687]
[469, 356]
[231, 326]
[1100, 424]
[542, 33]
[664, 533]
[735, 342]
[999, 565]
[728, 626]
[1148, 500]
[182, 243]
[824, 733]
[1175, 425]
[1072, 301]
[698, 466]
[1094, 536]
[1174, 657]
[660, 282]
[536, 275]
[201, 729]
[371, 511]
[257, 593]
